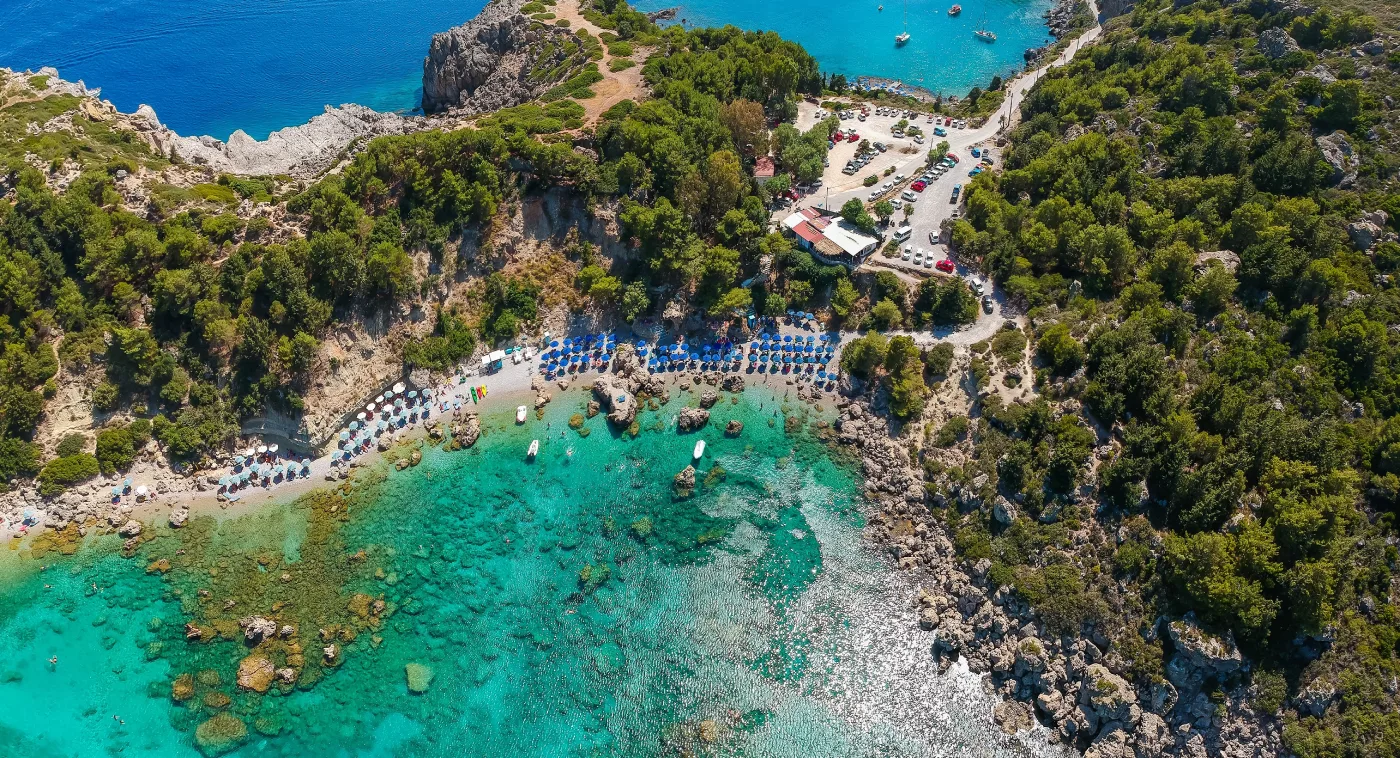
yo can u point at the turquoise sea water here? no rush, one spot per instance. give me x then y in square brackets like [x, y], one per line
[854, 37]
[217, 66]
[572, 606]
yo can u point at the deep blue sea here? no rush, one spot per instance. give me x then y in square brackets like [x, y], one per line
[214, 66]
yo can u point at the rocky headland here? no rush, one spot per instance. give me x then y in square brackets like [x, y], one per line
[499, 59]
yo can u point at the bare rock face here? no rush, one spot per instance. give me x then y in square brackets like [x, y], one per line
[1200, 655]
[1276, 43]
[257, 628]
[486, 63]
[692, 419]
[1338, 153]
[621, 404]
[708, 398]
[734, 428]
[468, 432]
[302, 151]
[684, 482]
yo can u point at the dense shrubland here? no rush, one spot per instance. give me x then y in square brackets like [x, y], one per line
[1253, 394]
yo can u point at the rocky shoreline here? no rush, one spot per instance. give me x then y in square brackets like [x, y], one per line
[1075, 685]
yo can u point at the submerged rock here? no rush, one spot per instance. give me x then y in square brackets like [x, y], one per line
[734, 428]
[255, 673]
[220, 734]
[420, 677]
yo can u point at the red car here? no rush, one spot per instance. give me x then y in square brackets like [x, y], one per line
[948, 121]
[853, 138]
[918, 186]
[945, 265]
[952, 157]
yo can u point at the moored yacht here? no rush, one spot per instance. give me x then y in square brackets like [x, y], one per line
[533, 451]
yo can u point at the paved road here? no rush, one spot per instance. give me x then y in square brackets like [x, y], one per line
[933, 206]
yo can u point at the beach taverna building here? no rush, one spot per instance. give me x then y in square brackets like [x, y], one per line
[493, 361]
[830, 238]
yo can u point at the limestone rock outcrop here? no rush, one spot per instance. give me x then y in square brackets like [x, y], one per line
[492, 61]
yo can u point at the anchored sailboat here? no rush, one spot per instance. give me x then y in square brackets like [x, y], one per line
[903, 36]
[982, 32]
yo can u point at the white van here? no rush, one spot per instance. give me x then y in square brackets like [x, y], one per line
[902, 233]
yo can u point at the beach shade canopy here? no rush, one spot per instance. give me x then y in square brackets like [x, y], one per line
[117, 491]
[344, 436]
[378, 398]
[607, 357]
[306, 463]
[238, 460]
[821, 374]
[262, 449]
[361, 416]
[142, 490]
[763, 358]
[271, 448]
[398, 387]
[412, 394]
[825, 337]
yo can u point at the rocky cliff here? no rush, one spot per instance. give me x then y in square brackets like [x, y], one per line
[499, 59]
[301, 151]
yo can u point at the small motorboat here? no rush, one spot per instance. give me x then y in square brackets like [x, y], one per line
[520, 414]
[901, 38]
[955, 10]
[699, 449]
[533, 451]
[985, 35]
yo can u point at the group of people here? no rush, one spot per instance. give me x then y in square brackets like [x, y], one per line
[262, 466]
[389, 412]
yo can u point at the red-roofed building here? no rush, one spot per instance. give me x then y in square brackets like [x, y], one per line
[763, 168]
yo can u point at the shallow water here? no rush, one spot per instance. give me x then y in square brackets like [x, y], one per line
[747, 619]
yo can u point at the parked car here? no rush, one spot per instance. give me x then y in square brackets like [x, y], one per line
[933, 238]
[928, 262]
[987, 303]
[903, 232]
[908, 252]
[945, 265]
[899, 177]
[887, 186]
[919, 257]
[909, 196]
[897, 204]
[951, 157]
[976, 152]
[853, 138]
[976, 286]
[918, 140]
[939, 131]
[918, 186]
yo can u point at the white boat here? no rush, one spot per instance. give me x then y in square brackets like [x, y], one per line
[534, 449]
[520, 414]
[903, 36]
[699, 449]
